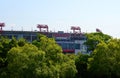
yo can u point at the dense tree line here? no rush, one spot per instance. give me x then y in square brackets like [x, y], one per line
[43, 58]
[104, 60]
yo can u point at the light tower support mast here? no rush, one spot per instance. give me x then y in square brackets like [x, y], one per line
[1, 26]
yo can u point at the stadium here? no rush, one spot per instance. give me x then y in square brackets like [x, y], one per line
[70, 42]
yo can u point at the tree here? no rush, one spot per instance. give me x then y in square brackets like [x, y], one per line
[5, 45]
[105, 60]
[41, 59]
[21, 42]
[95, 38]
[68, 70]
[81, 62]
[4, 48]
[58, 64]
[22, 61]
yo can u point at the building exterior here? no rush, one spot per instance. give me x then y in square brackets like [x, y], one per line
[70, 42]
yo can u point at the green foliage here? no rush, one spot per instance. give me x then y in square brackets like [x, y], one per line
[4, 48]
[5, 45]
[81, 62]
[41, 59]
[95, 38]
[57, 64]
[13, 43]
[68, 69]
[44, 58]
[21, 42]
[106, 59]
[26, 60]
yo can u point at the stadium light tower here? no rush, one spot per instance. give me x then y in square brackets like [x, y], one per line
[98, 30]
[74, 28]
[40, 26]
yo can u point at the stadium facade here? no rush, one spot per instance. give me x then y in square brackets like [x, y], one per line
[70, 42]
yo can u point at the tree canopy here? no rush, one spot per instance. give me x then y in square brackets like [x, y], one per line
[95, 38]
[41, 59]
[106, 59]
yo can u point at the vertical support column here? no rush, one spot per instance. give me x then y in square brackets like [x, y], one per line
[1, 25]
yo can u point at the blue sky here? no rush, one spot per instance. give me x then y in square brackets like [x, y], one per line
[62, 14]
